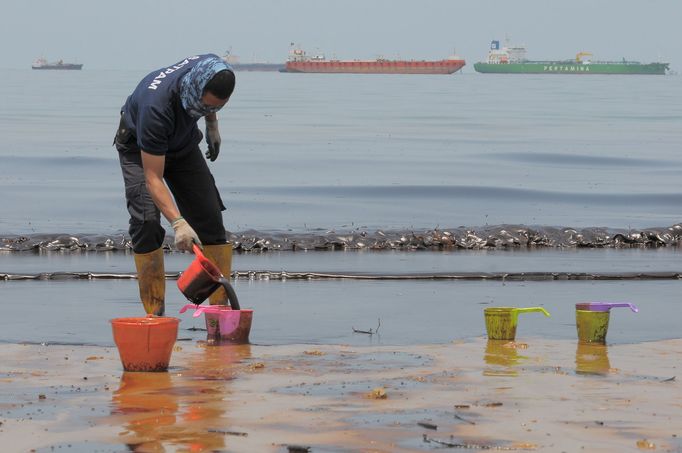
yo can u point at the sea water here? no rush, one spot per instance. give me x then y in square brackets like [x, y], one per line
[309, 154]
[337, 151]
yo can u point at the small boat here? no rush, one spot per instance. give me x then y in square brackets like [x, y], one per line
[42, 63]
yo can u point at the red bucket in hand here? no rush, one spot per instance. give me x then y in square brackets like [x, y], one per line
[202, 278]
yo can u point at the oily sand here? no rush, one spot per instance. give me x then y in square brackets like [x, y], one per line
[535, 395]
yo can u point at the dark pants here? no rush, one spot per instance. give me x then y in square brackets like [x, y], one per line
[192, 185]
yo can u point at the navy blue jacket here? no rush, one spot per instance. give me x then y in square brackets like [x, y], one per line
[154, 111]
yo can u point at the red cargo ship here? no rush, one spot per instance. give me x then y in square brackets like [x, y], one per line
[299, 61]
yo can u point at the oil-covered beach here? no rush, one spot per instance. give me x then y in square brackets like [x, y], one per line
[373, 220]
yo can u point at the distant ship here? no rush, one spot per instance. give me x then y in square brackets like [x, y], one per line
[299, 61]
[259, 67]
[233, 60]
[512, 60]
[41, 63]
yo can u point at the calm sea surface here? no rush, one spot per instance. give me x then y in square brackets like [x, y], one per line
[308, 151]
[305, 154]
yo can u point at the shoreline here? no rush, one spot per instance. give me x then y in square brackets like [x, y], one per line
[72, 312]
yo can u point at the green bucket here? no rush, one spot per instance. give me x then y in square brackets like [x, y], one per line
[501, 322]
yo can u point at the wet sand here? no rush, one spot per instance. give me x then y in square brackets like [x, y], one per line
[544, 395]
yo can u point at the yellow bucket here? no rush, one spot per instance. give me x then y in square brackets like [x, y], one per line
[501, 322]
[592, 326]
[592, 320]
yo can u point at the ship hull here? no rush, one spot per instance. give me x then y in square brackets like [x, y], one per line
[568, 67]
[72, 67]
[375, 67]
[258, 67]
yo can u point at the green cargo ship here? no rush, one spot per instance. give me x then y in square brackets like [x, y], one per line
[512, 60]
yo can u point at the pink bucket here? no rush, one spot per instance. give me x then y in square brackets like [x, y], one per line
[224, 324]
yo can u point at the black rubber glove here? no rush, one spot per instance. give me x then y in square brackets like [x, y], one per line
[212, 140]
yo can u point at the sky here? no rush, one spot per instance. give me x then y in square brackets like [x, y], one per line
[147, 34]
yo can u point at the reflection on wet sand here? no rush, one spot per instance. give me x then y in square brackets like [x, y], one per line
[147, 405]
[592, 359]
[503, 357]
[185, 409]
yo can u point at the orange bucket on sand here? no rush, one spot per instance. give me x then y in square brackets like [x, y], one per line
[145, 344]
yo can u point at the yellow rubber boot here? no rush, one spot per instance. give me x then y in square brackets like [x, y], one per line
[221, 256]
[151, 279]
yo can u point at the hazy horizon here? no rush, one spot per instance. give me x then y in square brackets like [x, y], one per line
[147, 35]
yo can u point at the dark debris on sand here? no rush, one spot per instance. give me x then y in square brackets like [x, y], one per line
[488, 237]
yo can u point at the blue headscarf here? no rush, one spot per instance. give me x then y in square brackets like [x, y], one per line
[193, 83]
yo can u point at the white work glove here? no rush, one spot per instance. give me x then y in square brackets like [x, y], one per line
[212, 139]
[185, 236]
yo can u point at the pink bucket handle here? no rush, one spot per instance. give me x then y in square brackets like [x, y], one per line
[201, 309]
[198, 309]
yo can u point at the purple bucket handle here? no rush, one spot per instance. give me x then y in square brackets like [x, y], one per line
[604, 306]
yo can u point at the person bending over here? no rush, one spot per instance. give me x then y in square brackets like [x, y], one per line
[164, 171]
